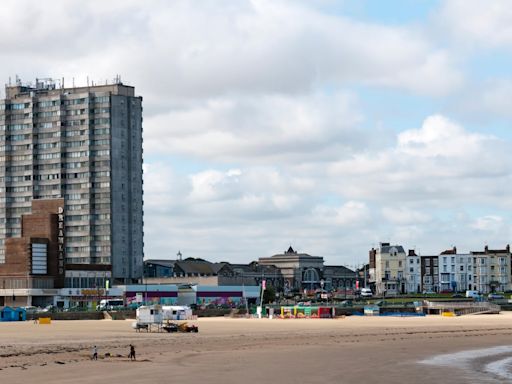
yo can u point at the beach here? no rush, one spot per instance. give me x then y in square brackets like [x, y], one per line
[345, 350]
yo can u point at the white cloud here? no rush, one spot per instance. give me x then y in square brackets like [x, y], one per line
[350, 214]
[488, 223]
[163, 188]
[439, 163]
[259, 129]
[179, 50]
[493, 98]
[402, 193]
[213, 185]
[476, 24]
[264, 98]
[401, 215]
[439, 136]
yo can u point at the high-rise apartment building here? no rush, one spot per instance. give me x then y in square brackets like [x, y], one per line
[82, 144]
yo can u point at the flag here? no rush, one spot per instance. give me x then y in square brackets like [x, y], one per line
[263, 284]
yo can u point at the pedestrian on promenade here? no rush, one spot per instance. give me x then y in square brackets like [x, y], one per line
[94, 353]
[132, 352]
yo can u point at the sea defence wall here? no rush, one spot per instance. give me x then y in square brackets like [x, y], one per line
[67, 315]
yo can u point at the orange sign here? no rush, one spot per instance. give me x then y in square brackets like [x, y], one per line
[93, 292]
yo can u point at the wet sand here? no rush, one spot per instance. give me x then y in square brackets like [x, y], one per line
[353, 349]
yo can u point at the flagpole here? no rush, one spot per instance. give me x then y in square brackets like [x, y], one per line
[261, 298]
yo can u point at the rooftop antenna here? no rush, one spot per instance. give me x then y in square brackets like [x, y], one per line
[179, 255]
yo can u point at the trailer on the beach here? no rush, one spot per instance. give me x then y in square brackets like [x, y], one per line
[148, 317]
[176, 312]
[153, 317]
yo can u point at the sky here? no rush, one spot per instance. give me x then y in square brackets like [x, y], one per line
[326, 125]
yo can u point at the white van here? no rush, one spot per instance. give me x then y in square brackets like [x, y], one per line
[109, 304]
[366, 292]
[473, 294]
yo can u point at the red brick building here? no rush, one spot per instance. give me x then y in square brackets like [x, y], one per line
[34, 267]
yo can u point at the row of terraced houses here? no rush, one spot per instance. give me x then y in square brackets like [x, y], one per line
[393, 271]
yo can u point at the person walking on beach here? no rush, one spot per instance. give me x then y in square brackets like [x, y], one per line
[132, 352]
[94, 353]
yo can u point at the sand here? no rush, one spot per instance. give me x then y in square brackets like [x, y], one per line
[348, 350]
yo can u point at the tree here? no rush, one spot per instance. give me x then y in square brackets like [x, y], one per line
[494, 284]
[269, 295]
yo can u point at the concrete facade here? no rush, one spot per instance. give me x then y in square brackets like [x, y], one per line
[413, 272]
[84, 145]
[297, 269]
[388, 276]
[455, 271]
[301, 271]
[492, 269]
[430, 273]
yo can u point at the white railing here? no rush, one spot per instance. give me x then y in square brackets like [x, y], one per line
[484, 305]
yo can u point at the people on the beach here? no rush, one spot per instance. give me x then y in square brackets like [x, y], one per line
[94, 353]
[132, 352]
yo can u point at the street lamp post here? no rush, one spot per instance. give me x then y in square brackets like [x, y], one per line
[145, 282]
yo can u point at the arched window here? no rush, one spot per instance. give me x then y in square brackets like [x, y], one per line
[311, 276]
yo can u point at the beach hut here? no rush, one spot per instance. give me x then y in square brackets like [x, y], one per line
[13, 314]
[21, 314]
[324, 312]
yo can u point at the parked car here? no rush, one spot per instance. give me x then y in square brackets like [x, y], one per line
[473, 294]
[346, 303]
[495, 296]
[457, 296]
[48, 308]
[366, 292]
[429, 292]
